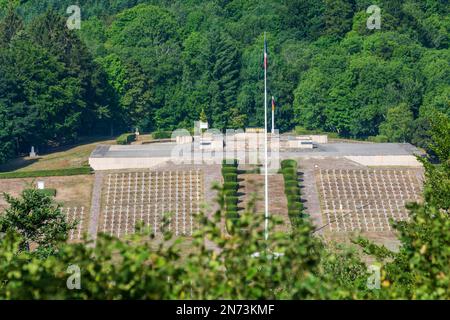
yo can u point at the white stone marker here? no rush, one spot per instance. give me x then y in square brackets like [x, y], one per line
[41, 185]
[33, 153]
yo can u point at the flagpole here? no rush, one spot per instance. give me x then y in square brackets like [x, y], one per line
[266, 178]
[273, 115]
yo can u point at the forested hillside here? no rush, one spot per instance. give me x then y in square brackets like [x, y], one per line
[156, 64]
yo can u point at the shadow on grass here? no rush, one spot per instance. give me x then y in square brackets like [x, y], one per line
[23, 162]
[81, 142]
[16, 164]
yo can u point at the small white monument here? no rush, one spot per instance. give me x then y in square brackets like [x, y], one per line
[41, 185]
[200, 127]
[136, 134]
[33, 153]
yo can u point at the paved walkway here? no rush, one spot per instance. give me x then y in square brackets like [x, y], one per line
[95, 205]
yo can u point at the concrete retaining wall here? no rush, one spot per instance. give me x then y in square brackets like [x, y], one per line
[125, 163]
[300, 144]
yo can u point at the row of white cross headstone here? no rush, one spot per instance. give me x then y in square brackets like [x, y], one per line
[134, 197]
[75, 214]
[366, 199]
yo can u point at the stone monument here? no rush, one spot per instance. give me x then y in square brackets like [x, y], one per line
[33, 153]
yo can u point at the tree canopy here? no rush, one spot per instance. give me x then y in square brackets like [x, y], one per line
[156, 64]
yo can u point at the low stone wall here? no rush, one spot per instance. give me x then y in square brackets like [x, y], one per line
[184, 139]
[322, 139]
[400, 161]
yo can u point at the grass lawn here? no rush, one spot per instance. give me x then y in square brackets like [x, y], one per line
[61, 158]
[73, 191]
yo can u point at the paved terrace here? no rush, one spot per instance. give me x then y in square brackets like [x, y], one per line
[164, 150]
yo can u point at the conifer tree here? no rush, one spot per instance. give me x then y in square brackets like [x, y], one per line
[224, 78]
[10, 26]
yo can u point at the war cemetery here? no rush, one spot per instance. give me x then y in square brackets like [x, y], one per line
[347, 188]
[224, 149]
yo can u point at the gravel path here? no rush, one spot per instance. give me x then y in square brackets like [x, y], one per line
[310, 195]
[254, 184]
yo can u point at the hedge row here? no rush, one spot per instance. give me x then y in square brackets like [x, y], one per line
[230, 163]
[289, 164]
[230, 177]
[292, 190]
[230, 188]
[126, 138]
[226, 170]
[157, 135]
[47, 173]
[48, 192]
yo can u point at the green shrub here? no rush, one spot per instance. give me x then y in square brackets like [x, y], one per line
[293, 198]
[49, 192]
[231, 199]
[47, 173]
[230, 177]
[290, 184]
[232, 214]
[126, 138]
[231, 186]
[162, 135]
[289, 172]
[290, 176]
[303, 131]
[226, 170]
[292, 191]
[289, 164]
[231, 205]
[230, 163]
[226, 166]
[295, 217]
[295, 206]
[229, 192]
[378, 139]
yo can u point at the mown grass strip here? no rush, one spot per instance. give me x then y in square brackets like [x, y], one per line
[126, 138]
[47, 173]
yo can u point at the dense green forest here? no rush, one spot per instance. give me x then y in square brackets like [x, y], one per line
[156, 64]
